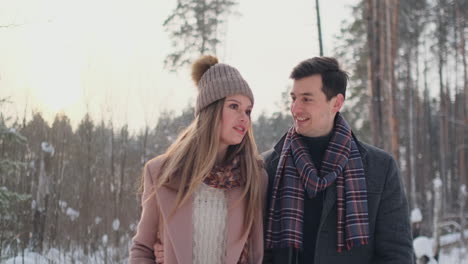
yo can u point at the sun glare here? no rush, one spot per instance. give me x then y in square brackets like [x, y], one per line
[54, 71]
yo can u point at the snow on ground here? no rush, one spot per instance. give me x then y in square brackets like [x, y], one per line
[423, 245]
[454, 256]
[452, 238]
[54, 256]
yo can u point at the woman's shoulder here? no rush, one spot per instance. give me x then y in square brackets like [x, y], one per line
[153, 166]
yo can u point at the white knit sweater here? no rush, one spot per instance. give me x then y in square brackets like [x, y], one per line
[209, 225]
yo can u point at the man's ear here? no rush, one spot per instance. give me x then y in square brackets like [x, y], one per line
[339, 100]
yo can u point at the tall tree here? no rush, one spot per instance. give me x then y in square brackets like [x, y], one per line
[86, 159]
[194, 28]
[14, 205]
[353, 53]
[382, 19]
[461, 24]
[319, 26]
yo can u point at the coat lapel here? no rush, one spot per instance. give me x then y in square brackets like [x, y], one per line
[235, 221]
[179, 225]
[330, 199]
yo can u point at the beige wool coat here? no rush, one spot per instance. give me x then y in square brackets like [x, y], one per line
[176, 234]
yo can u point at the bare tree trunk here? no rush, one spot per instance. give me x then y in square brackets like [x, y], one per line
[410, 126]
[437, 214]
[120, 192]
[443, 113]
[42, 197]
[463, 101]
[462, 200]
[85, 191]
[373, 36]
[60, 142]
[317, 9]
[392, 40]
[382, 19]
[145, 146]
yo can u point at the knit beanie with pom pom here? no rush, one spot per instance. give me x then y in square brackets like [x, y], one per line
[216, 81]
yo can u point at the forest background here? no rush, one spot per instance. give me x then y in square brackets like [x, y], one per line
[69, 188]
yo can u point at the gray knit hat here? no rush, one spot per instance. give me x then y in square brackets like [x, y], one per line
[216, 81]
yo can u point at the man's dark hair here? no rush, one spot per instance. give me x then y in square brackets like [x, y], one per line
[334, 79]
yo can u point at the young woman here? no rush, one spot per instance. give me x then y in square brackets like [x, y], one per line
[202, 199]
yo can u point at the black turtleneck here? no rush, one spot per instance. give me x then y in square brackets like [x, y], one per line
[313, 206]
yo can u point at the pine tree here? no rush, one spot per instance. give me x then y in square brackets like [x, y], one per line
[194, 28]
[13, 204]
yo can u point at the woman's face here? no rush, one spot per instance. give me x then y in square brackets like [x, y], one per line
[235, 121]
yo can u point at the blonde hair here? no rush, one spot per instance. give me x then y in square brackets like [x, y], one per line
[192, 156]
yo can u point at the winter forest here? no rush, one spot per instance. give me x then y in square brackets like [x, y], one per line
[71, 193]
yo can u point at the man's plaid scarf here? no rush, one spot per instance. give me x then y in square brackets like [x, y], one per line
[296, 175]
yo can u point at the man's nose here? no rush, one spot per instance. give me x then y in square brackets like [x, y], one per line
[294, 107]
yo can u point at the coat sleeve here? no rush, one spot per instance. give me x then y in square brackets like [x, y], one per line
[141, 251]
[393, 239]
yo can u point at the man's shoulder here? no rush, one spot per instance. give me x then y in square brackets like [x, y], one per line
[268, 155]
[273, 152]
[373, 153]
[379, 165]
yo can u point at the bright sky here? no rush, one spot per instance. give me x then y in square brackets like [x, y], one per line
[106, 56]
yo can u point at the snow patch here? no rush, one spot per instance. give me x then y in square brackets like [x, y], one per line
[46, 147]
[105, 239]
[452, 238]
[73, 214]
[63, 205]
[423, 246]
[416, 215]
[115, 224]
[29, 258]
[437, 182]
[463, 189]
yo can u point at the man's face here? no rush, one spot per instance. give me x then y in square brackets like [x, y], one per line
[313, 114]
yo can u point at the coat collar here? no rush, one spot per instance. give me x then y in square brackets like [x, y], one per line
[179, 226]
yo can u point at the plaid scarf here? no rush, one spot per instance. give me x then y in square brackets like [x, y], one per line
[297, 175]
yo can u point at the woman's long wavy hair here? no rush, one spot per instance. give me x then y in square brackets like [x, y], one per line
[192, 156]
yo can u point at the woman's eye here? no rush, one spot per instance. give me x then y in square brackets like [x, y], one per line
[248, 112]
[233, 106]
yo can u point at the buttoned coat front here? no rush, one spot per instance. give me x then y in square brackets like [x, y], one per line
[176, 231]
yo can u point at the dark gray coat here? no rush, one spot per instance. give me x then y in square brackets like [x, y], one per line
[390, 231]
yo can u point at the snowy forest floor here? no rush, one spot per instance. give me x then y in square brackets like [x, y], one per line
[451, 253]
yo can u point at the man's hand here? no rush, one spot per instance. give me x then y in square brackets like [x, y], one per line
[159, 252]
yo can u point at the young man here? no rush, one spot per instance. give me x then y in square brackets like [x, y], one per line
[331, 198]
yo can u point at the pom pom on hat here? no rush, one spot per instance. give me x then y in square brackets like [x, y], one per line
[201, 65]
